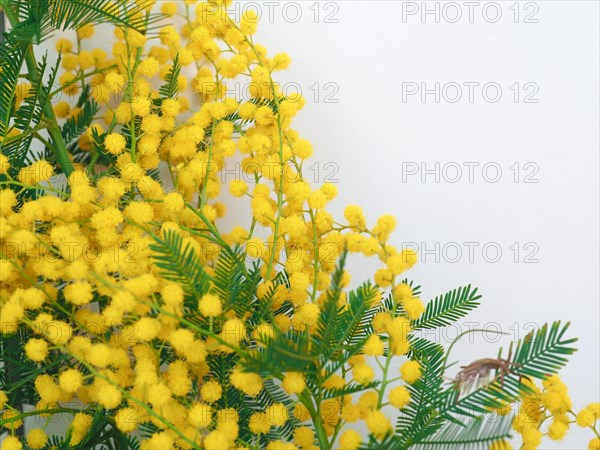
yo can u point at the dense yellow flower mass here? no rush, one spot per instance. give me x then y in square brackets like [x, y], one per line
[81, 267]
[92, 244]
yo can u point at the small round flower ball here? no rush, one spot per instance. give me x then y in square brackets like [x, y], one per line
[37, 438]
[308, 314]
[304, 437]
[37, 172]
[146, 329]
[114, 143]
[373, 346]
[413, 307]
[210, 305]
[200, 415]
[557, 430]
[64, 45]
[399, 397]
[140, 106]
[11, 443]
[378, 424]
[125, 419]
[70, 380]
[248, 22]
[410, 371]
[211, 391]
[85, 59]
[317, 200]
[293, 383]
[402, 292]
[585, 418]
[169, 9]
[108, 396]
[363, 373]
[233, 331]
[277, 414]
[36, 349]
[170, 107]
[350, 440]
[238, 188]
[594, 444]
[62, 109]
[114, 81]
[255, 247]
[355, 216]
[301, 412]
[174, 202]
[86, 31]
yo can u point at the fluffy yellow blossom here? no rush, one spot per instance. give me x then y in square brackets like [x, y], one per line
[37, 438]
[126, 419]
[413, 307]
[169, 8]
[586, 418]
[36, 350]
[293, 383]
[363, 373]
[355, 216]
[210, 305]
[211, 391]
[399, 397]
[410, 371]
[37, 172]
[11, 443]
[374, 346]
[248, 22]
[378, 424]
[85, 31]
[115, 143]
[350, 440]
[70, 380]
[277, 414]
[233, 331]
[247, 382]
[308, 314]
[238, 188]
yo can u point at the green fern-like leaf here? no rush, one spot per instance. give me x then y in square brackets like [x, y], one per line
[446, 309]
[169, 88]
[12, 57]
[539, 355]
[75, 13]
[476, 434]
[180, 263]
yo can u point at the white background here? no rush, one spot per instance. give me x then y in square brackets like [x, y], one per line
[370, 132]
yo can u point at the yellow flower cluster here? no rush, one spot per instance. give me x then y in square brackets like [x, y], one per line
[77, 267]
[154, 343]
[547, 411]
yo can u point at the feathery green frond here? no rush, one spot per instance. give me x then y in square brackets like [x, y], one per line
[180, 263]
[476, 434]
[169, 88]
[446, 309]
